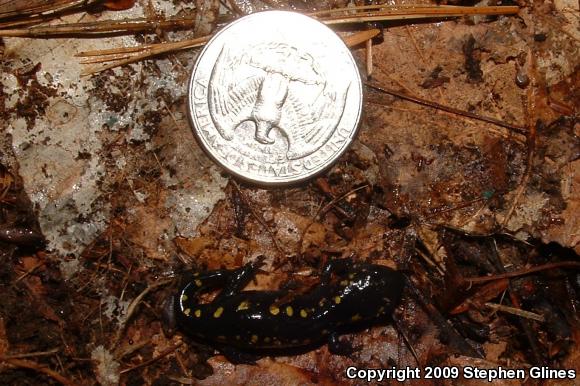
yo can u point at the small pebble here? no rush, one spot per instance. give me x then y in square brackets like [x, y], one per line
[522, 79]
[540, 37]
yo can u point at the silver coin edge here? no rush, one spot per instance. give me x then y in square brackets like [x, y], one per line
[290, 181]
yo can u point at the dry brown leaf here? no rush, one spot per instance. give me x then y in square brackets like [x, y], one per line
[267, 372]
[193, 247]
[4, 344]
[484, 294]
[118, 5]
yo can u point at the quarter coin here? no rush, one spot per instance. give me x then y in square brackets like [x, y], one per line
[275, 98]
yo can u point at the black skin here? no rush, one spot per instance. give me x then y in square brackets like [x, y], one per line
[350, 296]
[21, 236]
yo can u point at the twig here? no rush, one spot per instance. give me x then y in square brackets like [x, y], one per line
[37, 7]
[182, 380]
[424, 102]
[133, 306]
[437, 211]
[360, 37]
[150, 50]
[369, 57]
[513, 300]
[114, 51]
[29, 21]
[397, 324]
[413, 9]
[41, 369]
[516, 311]
[370, 13]
[125, 55]
[430, 261]
[386, 13]
[34, 268]
[329, 206]
[525, 271]
[120, 354]
[30, 354]
[92, 29]
[152, 360]
[455, 340]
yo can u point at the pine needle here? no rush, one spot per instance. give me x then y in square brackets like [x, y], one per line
[126, 55]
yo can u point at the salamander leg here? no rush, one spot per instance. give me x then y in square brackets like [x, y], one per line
[230, 281]
[207, 280]
[335, 267]
[338, 347]
[195, 283]
[237, 357]
[240, 278]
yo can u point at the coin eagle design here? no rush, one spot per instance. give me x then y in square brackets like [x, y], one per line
[275, 97]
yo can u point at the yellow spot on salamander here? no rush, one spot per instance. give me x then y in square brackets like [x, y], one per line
[337, 299]
[243, 306]
[254, 339]
[184, 298]
[187, 311]
[303, 313]
[289, 311]
[356, 318]
[196, 274]
[267, 339]
[198, 282]
[344, 283]
[351, 276]
[274, 310]
[218, 312]
[197, 313]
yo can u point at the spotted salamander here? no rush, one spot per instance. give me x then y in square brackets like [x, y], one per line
[349, 295]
